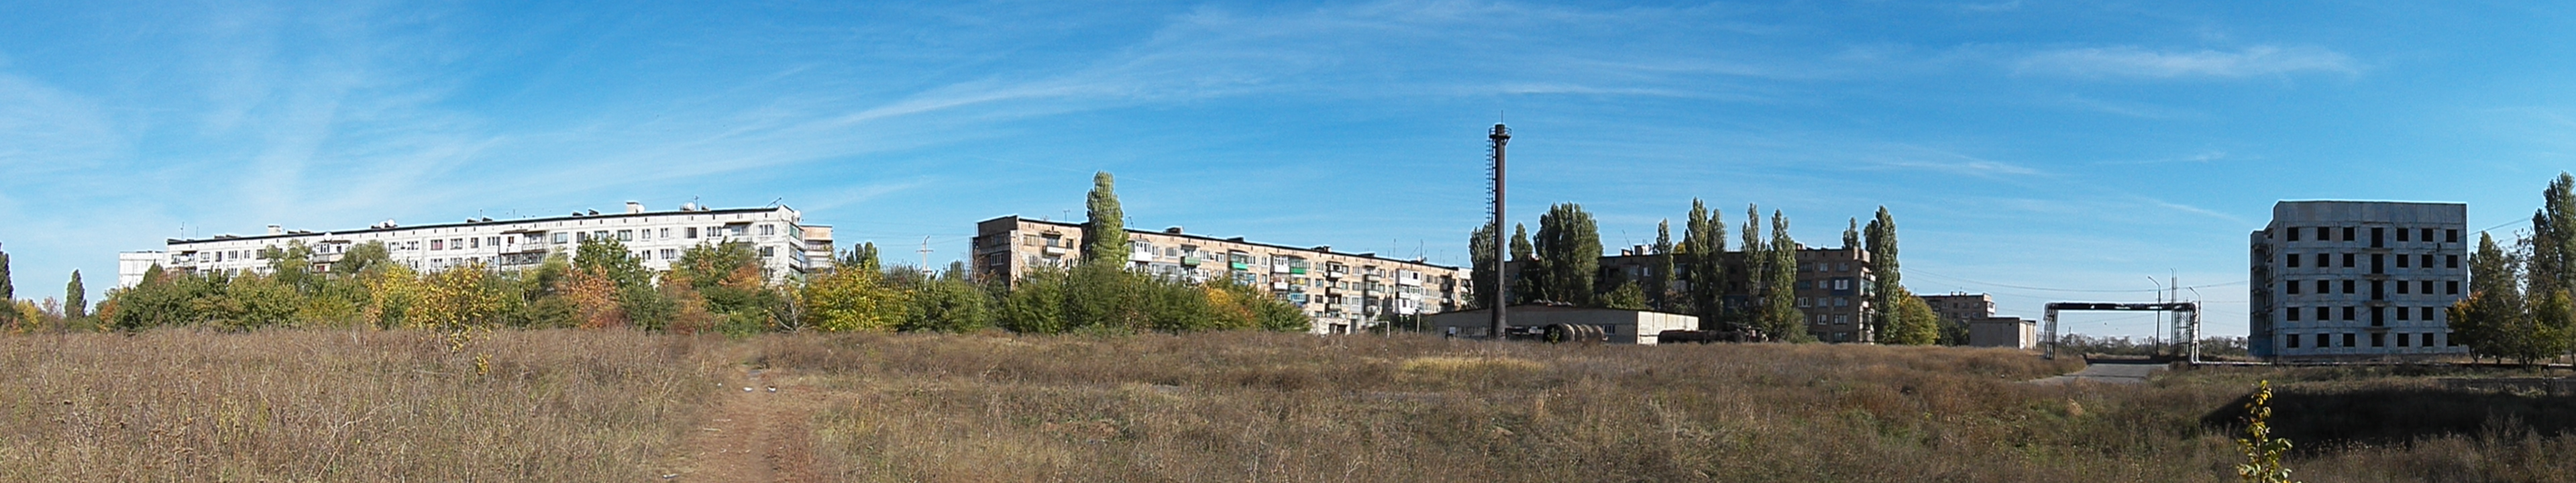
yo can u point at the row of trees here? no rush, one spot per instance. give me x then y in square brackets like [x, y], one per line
[2519, 306]
[711, 287]
[1562, 265]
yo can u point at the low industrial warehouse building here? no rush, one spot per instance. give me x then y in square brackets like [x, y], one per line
[1622, 326]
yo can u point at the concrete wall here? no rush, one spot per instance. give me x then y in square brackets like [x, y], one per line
[1623, 326]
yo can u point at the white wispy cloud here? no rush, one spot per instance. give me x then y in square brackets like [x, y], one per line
[2132, 61]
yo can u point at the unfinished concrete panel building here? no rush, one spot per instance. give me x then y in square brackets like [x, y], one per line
[2356, 280]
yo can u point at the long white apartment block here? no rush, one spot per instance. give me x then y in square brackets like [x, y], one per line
[1344, 292]
[2357, 280]
[787, 249]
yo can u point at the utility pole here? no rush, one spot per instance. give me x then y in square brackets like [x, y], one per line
[925, 256]
[1502, 247]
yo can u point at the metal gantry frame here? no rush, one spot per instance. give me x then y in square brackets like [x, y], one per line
[2190, 312]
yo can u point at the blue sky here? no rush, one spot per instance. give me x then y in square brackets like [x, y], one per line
[2035, 150]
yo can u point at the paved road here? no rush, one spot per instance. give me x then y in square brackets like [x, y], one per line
[2108, 373]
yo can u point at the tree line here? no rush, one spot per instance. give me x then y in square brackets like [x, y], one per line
[713, 287]
[1751, 288]
[2519, 305]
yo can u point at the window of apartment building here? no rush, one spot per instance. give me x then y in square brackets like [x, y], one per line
[2378, 338]
[2450, 287]
[1802, 302]
[2292, 314]
[2347, 285]
[2325, 313]
[2401, 261]
[2324, 287]
[2290, 340]
[768, 251]
[646, 234]
[474, 243]
[2401, 287]
[2428, 313]
[625, 235]
[2322, 342]
[1820, 319]
[2347, 260]
[2324, 235]
[767, 230]
[2401, 338]
[559, 238]
[670, 254]
[2347, 233]
[2427, 261]
[2347, 340]
[2401, 234]
[2294, 233]
[599, 235]
[493, 241]
[2294, 260]
[2377, 237]
[436, 245]
[2427, 287]
[2450, 261]
[1842, 301]
[691, 232]
[2324, 260]
[741, 230]
[411, 245]
[2451, 235]
[2428, 236]
[2293, 285]
[1842, 284]
[666, 233]
[2349, 311]
[1842, 319]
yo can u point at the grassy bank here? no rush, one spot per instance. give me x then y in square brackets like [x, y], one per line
[345, 406]
[629, 406]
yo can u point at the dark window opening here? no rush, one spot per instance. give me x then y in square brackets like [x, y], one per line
[2401, 234]
[2450, 261]
[2378, 263]
[2428, 261]
[2347, 287]
[2378, 339]
[2325, 286]
[2401, 313]
[2349, 311]
[2294, 260]
[2347, 233]
[2378, 316]
[2401, 338]
[2347, 340]
[2294, 233]
[2347, 260]
[2292, 340]
[2324, 313]
[2428, 287]
[2401, 261]
[2378, 290]
[2294, 287]
[2451, 235]
[2324, 234]
[2428, 235]
[2293, 313]
[2323, 342]
[2428, 313]
[2377, 235]
[2450, 287]
[2401, 287]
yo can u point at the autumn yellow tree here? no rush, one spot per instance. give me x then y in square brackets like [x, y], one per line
[851, 300]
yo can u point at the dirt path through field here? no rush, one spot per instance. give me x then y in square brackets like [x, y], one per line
[760, 435]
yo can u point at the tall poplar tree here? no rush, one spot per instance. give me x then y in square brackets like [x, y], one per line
[1480, 251]
[2488, 319]
[1851, 235]
[2553, 239]
[1757, 260]
[8, 293]
[1780, 310]
[1659, 284]
[75, 298]
[1106, 228]
[1703, 263]
[1524, 276]
[1887, 282]
[1569, 255]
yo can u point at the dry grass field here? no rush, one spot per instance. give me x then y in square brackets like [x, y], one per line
[627, 406]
